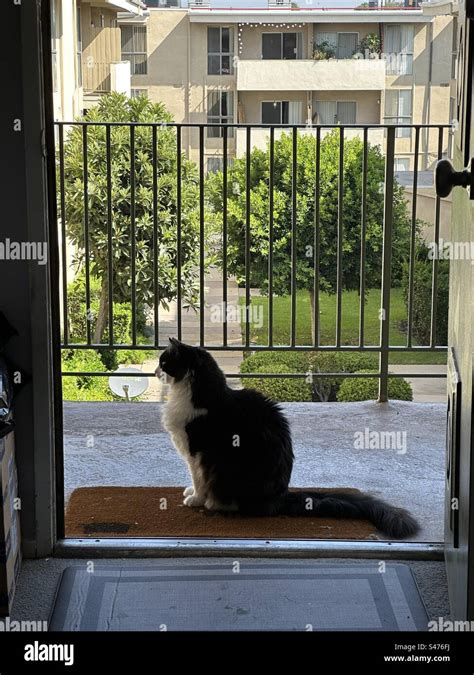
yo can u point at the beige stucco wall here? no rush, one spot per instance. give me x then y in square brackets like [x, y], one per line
[167, 77]
[177, 76]
[310, 75]
[100, 47]
[425, 211]
[67, 100]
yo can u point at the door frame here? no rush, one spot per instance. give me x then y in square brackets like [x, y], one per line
[29, 303]
[47, 408]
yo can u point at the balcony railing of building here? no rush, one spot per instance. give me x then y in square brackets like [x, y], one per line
[113, 137]
[370, 5]
[96, 77]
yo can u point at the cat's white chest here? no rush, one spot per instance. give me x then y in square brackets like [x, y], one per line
[180, 411]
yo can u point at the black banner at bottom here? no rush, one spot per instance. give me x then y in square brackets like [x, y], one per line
[30, 652]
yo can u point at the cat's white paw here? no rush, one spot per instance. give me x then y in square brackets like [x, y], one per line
[188, 492]
[193, 500]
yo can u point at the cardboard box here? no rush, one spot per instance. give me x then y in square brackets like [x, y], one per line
[10, 540]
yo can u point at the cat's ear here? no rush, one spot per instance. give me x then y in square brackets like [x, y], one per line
[177, 344]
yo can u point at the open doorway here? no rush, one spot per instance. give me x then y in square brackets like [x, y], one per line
[300, 256]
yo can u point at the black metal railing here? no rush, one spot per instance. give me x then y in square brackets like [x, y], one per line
[421, 135]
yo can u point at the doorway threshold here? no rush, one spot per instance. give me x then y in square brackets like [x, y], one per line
[271, 548]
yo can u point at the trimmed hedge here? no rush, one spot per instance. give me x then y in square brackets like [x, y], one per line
[311, 389]
[324, 388]
[284, 389]
[366, 389]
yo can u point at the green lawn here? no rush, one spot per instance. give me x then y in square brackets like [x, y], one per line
[349, 327]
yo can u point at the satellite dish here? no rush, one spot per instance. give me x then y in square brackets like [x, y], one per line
[128, 386]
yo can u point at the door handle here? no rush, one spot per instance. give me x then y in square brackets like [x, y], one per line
[446, 177]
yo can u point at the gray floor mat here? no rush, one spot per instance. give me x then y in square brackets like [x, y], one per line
[244, 596]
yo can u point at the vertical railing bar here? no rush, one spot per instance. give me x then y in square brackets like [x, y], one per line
[363, 234]
[224, 235]
[247, 238]
[340, 216]
[434, 283]
[86, 234]
[63, 235]
[178, 231]
[155, 240]
[386, 266]
[317, 222]
[110, 258]
[411, 267]
[271, 180]
[294, 187]
[201, 237]
[133, 235]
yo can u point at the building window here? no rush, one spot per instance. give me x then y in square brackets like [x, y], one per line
[282, 45]
[220, 50]
[136, 93]
[275, 112]
[344, 44]
[215, 164]
[282, 112]
[220, 111]
[336, 112]
[398, 110]
[134, 48]
[402, 164]
[398, 47]
[163, 3]
[79, 46]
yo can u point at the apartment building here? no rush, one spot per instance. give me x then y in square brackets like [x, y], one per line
[281, 64]
[87, 52]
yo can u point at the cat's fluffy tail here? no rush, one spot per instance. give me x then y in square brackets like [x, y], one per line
[390, 520]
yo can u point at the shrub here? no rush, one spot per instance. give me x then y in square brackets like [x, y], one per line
[85, 387]
[284, 389]
[322, 389]
[298, 361]
[371, 43]
[422, 284]
[122, 324]
[366, 389]
[325, 388]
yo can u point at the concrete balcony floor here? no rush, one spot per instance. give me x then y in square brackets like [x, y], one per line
[125, 444]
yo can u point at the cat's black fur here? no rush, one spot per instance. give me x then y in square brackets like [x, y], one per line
[243, 447]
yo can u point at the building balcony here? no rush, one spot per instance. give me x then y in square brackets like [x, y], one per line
[135, 7]
[311, 75]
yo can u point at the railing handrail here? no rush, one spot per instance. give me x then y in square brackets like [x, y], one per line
[251, 125]
[384, 348]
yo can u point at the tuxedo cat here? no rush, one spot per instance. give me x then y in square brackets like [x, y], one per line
[237, 444]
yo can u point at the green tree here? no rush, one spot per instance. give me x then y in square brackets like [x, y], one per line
[305, 215]
[118, 108]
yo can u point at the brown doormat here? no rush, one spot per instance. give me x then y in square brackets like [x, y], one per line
[159, 512]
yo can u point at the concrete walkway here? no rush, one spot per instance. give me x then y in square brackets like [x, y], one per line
[425, 389]
[125, 444]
